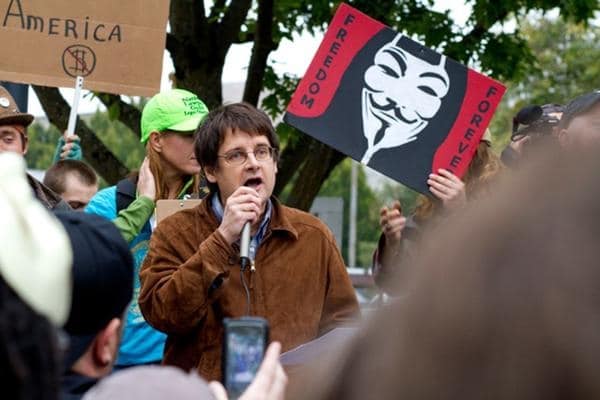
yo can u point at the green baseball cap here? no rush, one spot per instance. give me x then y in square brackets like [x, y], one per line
[174, 110]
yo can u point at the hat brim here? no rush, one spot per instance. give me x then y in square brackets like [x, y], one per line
[17, 119]
[189, 125]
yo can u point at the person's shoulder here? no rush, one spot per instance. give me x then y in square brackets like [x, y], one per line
[103, 202]
[304, 221]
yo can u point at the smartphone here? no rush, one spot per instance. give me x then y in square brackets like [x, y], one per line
[244, 343]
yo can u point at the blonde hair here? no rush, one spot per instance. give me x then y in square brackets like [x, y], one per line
[484, 166]
[162, 189]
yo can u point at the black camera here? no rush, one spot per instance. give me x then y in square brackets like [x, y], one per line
[536, 121]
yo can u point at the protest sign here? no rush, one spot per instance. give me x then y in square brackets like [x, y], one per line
[391, 103]
[116, 46]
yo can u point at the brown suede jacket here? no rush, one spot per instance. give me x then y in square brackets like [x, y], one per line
[190, 281]
[46, 196]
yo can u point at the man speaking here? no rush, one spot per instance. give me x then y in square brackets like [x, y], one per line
[192, 279]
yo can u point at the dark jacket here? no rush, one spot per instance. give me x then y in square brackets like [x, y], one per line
[191, 281]
[46, 196]
[73, 386]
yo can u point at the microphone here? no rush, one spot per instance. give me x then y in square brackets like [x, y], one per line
[245, 260]
[245, 246]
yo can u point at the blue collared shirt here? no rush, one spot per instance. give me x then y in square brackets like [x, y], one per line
[255, 240]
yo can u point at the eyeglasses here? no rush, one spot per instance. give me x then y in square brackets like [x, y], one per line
[239, 157]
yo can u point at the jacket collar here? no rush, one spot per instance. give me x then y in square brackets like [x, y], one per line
[279, 221]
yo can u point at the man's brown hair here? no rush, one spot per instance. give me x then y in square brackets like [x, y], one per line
[231, 117]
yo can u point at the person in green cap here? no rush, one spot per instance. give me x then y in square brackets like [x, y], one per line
[169, 171]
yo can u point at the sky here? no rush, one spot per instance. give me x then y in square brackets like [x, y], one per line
[290, 57]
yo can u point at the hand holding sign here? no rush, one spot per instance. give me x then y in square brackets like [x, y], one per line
[448, 188]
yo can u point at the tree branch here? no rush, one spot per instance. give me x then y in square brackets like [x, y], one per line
[231, 23]
[129, 115]
[187, 18]
[173, 44]
[217, 8]
[310, 178]
[291, 159]
[263, 45]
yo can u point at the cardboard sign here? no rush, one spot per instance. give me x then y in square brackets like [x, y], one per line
[116, 45]
[165, 208]
[391, 103]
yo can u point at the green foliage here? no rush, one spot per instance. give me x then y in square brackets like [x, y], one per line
[367, 212]
[42, 143]
[516, 56]
[280, 89]
[118, 138]
[392, 191]
[566, 65]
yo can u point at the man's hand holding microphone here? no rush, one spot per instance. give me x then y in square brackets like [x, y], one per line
[244, 205]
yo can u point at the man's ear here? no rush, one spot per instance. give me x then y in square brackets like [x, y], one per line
[563, 138]
[155, 142]
[106, 343]
[25, 144]
[209, 172]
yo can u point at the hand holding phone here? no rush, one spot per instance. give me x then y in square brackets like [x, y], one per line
[244, 343]
[270, 381]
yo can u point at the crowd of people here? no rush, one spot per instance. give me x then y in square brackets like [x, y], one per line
[491, 279]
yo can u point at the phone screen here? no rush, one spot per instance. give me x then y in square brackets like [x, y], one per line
[245, 350]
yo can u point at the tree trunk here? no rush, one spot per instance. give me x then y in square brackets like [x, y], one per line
[310, 177]
[263, 45]
[95, 152]
[198, 45]
[292, 158]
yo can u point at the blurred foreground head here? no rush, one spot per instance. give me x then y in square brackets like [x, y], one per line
[151, 382]
[102, 289]
[35, 287]
[503, 305]
[580, 125]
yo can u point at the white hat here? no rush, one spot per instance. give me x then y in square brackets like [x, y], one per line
[35, 252]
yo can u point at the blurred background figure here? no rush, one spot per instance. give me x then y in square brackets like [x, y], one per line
[503, 301]
[75, 181]
[35, 288]
[580, 126]
[400, 234]
[532, 124]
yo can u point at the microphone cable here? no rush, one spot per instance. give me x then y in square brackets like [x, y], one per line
[243, 267]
